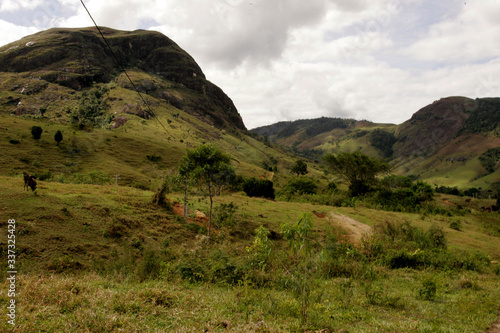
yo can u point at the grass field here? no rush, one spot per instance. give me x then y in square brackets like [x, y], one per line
[102, 258]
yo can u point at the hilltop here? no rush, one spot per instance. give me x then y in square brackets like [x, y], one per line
[45, 70]
[67, 80]
[446, 142]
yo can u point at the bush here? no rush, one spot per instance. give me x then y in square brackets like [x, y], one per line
[223, 215]
[36, 132]
[456, 225]
[58, 137]
[154, 158]
[299, 186]
[254, 187]
[149, 267]
[428, 290]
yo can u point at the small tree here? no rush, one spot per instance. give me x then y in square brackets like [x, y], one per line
[358, 170]
[58, 137]
[36, 131]
[210, 167]
[299, 240]
[300, 168]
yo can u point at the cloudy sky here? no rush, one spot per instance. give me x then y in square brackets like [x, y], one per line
[379, 60]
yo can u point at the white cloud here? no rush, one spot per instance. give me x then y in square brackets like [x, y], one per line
[471, 36]
[15, 32]
[287, 59]
[14, 5]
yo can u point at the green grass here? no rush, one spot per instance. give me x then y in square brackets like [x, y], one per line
[83, 265]
[90, 302]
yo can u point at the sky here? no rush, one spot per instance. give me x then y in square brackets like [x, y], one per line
[376, 60]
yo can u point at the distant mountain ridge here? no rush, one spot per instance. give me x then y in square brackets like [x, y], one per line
[448, 135]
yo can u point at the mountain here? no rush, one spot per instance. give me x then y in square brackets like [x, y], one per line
[71, 60]
[453, 141]
[68, 80]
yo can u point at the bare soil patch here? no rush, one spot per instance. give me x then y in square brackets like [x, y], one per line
[355, 230]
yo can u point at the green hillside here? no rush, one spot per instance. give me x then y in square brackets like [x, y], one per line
[94, 251]
[442, 143]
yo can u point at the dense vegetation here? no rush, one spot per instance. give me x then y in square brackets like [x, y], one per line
[485, 117]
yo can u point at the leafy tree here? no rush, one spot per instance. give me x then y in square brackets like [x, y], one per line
[358, 170]
[91, 110]
[300, 168]
[58, 137]
[210, 167]
[36, 131]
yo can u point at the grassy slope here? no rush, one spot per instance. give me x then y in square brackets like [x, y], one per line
[63, 227]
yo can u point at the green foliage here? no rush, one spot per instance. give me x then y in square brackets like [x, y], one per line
[58, 137]
[254, 187]
[358, 170]
[270, 164]
[490, 159]
[224, 215]
[401, 194]
[428, 289]
[36, 132]
[210, 167]
[299, 168]
[313, 126]
[485, 117]
[456, 225]
[383, 141]
[299, 240]
[91, 110]
[298, 186]
[150, 266]
[159, 198]
[261, 249]
[154, 158]
[92, 177]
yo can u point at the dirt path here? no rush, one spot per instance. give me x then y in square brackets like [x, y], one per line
[495, 328]
[355, 230]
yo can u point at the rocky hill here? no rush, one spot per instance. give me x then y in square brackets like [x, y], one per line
[68, 80]
[452, 141]
[71, 60]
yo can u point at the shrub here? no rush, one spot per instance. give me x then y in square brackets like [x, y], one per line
[456, 225]
[58, 137]
[254, 187]
[114, 230]
[223, 215]
[428, 290]
[191, 271]
[36, 132]
[14, 142]
[154, 158]
[299, 186]
[150, 266]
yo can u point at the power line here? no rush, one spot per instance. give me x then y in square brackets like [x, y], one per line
[149, 111]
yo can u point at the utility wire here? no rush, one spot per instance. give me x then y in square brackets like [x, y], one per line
[149, 111]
